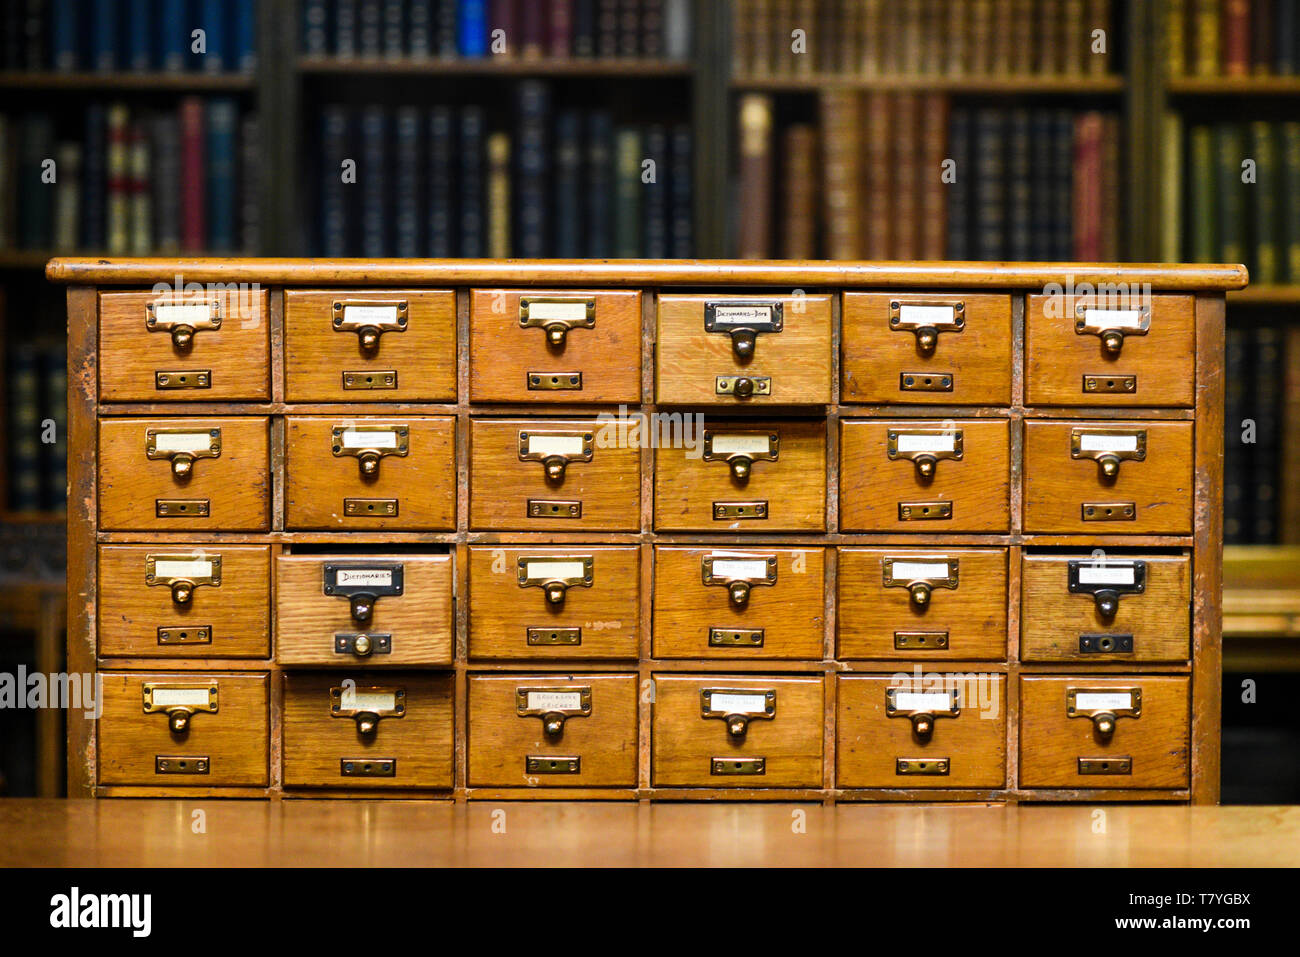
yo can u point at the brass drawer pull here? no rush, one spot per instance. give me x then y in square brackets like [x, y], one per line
[556, 316]
[370, 319]
[1103, 706]
[180, 702]
[553, 705]
[743, 321]
[369, 443]
[1106, 581]
[367, 706]
[740, 450]
[363, 585]
[743, 386]
[737, 707]
[182, 573]
[1109, 447]
[1111, 325]
[926, 320]
[362, 644]
[182, 447]
[1105, 644]
[182, 319]
[738, 574]
[922, 708]
[920, 576]
[555, 450]
[925, 447]
[555, 576]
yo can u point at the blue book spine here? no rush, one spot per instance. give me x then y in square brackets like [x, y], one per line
[223, 120]
[245, 35]
[440, 209]
[681, 241]
[568, 185]
[1287, 37]
[65, 20]
[334, 205]
[315, 28]
[174, 45]
[406, 208]
[373, 177]
[472, 27]
[106, 18]
[139, 33]
[93, 179]
[212, 20]
[470, 187]
[599, 191]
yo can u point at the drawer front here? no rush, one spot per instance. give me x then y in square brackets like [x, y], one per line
[184, 601]
[744, 476]
[923, 603]
[367, 472]
[368, 730]
[574, 601]
[1108, 477]
[927, 476]
[744, 350]
[739, 603]
[189, 729]
[186, 473]
[1106, 351]
[940, 349]
[895, 733]
[1121, 607]
[563, 475]
[734, 743]
[552, 731]
[377, 609]
[198, 347]
[555, 345]
[1146, 746]
[370, 345]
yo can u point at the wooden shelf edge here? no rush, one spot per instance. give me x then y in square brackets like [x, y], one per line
[1275, 295]
[1234, 86]
[495, 66]
[1005, 84]
[124, 81]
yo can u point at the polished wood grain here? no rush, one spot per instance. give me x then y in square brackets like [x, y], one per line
[316, 742]
[870, 742]
[1057, 358]
[501, 741]
[797, 359]
[872, 486]
[422, 356]
[684, 744]
[236, 483]
[875, 357]
[235, 613]
[317, 482]
[237, 356]
[419, 620]
[1051, 742]
[973, 615]
[234, 740]
[1058, 486]
[1052, 619]
[501, 484]
[793, 487]
[501, 610]
[502, 353]
[790, 612]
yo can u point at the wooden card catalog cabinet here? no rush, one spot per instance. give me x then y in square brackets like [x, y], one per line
[809, 531]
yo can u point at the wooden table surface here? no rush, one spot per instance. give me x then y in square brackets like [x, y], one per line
[323, 833]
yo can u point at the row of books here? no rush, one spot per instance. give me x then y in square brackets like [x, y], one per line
[420, 29]
[922, 37]
[439, 183]
[1232, 37]
[135, 182]
[36, 425]
[210, 36]
[1240, 196]
[1261, 498]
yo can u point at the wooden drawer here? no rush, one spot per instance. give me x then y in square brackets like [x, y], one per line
[402, 604]
[927, 348]
[573, 601]
[552, 731]
[370, 345]
[728, 738]
[555, 345]
[163, 474]
[923, 603]
[1105, 351]
[376, 730]
[1123, 607]
[739, 603]
[927, 476]
[184, 601]
[350, 471]
[894, 733]
[184, 729]
[744, 476]
[780, 346]
[1067, 488]
[1063, 750]
[200, 347]
[552, 475]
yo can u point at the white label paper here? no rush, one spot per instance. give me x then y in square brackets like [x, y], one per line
[369, 315]
[555, 700]
[911, 571]
[550, 570]
[926, 315]
[555, 444]
[191, 568]
[183, 313]
[1103, 700]
[741, 444]
[736, 568]
[558, 311]
[368, 700]
[164, 442]
[738, 703]
[740, 315]
[180, 697]
[1113, 318]
[355, 439]
[922, 700]
[1088, 442]
[374, 577]
[914, 442]
[1106, 574]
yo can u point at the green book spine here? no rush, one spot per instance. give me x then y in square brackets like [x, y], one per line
[1200, 212]
[627, 198]
[1171, 188]
[1291, 164]
[1265, 196]
[1229, 191]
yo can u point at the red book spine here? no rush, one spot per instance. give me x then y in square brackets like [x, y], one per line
[193, 186]
[561, 28]
[503, 15]
[1236, 37]
[533, 15]
[1087, 187]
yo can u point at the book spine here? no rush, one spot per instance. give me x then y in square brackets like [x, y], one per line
[598, 206]
[568, 185]
[1176, 36]
[105, 31]
[395, 23]
[141, 211]
[166, 165]
[223, 125]
[139, 33]
[629, 28]
[1019, 225]
[871, 183]
[24, 428]
[933, 152]
[8, 193]
[1236, 37]
[1086, 189]
[1228, 192]
[584, 28]
[346, 43]
[1264, 201]
[1040, 185]
[650, 36]
[54, 406]
[35, 199]
[1171, 187]
[1236, 380]
[560, 34]
[1201, 207]
[990, 192]
[957, 36]
[419, 29]
[532, 232]
[471, 186]
[244, 47]
[1266, 364]
[682, 193]
[65, 33]
[67, 199]
[250, 184]
[173, 23]
[627, 201]
[1022, 36]
[1290, 149]
[1111, 189]
[315, 28]
[498, 195]
[799, 198]
[677, 29]
[446, 29]
[1287, 37]
[607, 28]
[1074, 44]
[532, 26]
[471, 20]
[1289, 464]
[1206, 37]
[370, 28]
[1262, 24]
[119, 182]
[406, 182]
[958, 190]
[212, 17]
[871, 56]
[335, 207]
[503, 15]
[654, 195]
[440, 203]
[906, 186]
[373, 178]
[754, 209]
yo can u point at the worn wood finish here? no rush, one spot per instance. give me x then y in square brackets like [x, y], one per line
[877, 358]
[789, 612]
[235, 615]
[501, 740]
[1158, 619]
[1059, 488]
[503, 355]
[1051, 742]
[502, 611]
[318, 483]
[689, 486]
[236, 484]
[236, 357]
[972, 618]
[419, 742]
[796, 359]
[421, 357]
[233, 740]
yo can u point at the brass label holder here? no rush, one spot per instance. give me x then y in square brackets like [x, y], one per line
[556, 574]
[185, 635]
[740, 450]
[356, 379]
[1103, 706]
[1105, 644]
[370, 319]
[549, 764]
[367, 706]
[1108, 512]
[737, 707]
[920, 640]
[362, 644]
[925, 447]
[182, 319]
[182, 573]
[557, 315]
[182, 447]
[166, 380]
[743, 386]
[926, 319]
[552, 637]
[744, 322]
[554, 705]
[920, 576]
[925, 381]
[181, 764]
[736, 637]
[1110, 384]
[369, 444]
[370, 507]
[739, 573]
[368, 767]
[922, 708]
[180, 702]
[740, 511]
[1109, 447]
[1111, 325]
[181, 507]
[555, 450]
[924, 511]
[1116, 765]
[723, 767]
[363, 585]
[922, 766]
[554, 381]
[1106, 581]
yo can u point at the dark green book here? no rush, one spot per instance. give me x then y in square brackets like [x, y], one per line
[1290, 150]
[1230, 193]
[1203, 244]
[627, 193]
[1265, 197]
